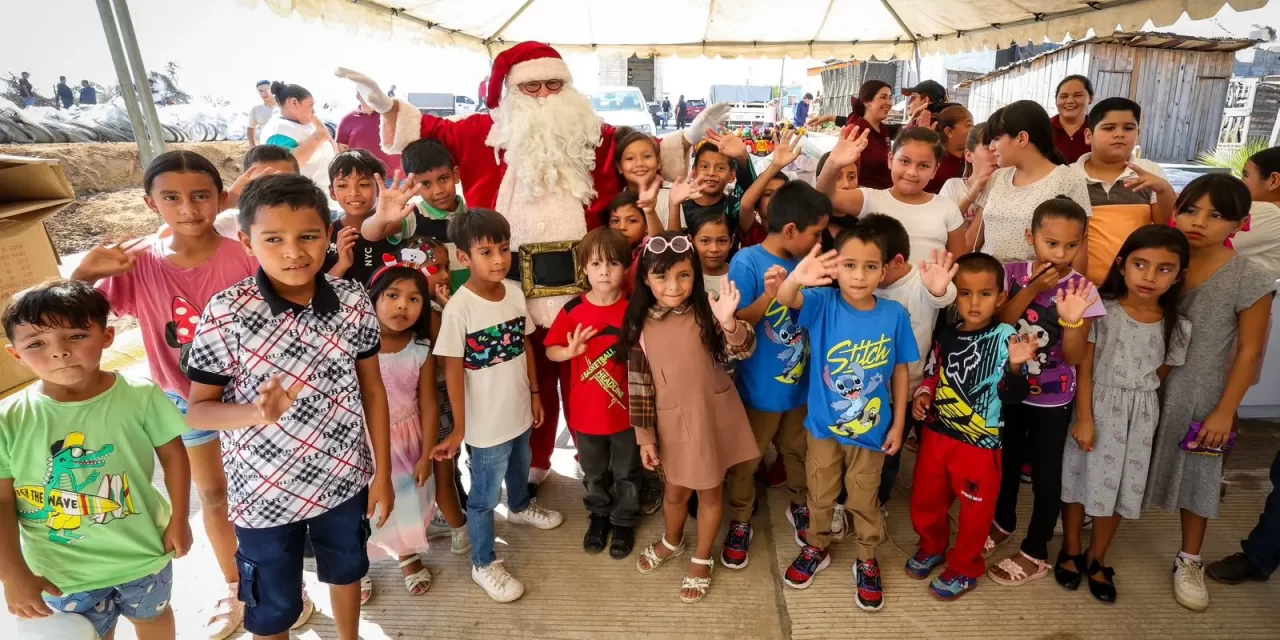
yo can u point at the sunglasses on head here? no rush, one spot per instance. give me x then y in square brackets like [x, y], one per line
[534, 86]
[678, 244]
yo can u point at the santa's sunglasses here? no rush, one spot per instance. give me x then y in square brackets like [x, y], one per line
[534, 86]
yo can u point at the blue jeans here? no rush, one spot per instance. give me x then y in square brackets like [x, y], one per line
[192, 437]
[489, 466]
[1263, 545]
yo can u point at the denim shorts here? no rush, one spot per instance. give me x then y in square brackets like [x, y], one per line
[270, 562]
[142, 599]
[193, 437]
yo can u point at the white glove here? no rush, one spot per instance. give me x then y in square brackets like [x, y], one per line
[711, 116]
[368, 89]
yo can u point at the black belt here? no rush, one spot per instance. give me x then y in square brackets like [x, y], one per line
[546, 269]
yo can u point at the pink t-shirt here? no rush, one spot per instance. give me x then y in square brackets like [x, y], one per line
[167, 301]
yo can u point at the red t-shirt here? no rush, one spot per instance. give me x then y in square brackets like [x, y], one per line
[360, 130]
[597, 381]
[949, 167]
[1068, 145]
[753, 236]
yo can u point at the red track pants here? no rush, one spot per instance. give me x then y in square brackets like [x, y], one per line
[947, 468]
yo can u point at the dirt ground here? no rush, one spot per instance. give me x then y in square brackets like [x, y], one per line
[107, 178]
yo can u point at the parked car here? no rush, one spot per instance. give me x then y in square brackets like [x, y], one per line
[463, 105]
[693, 107]
[623, 107]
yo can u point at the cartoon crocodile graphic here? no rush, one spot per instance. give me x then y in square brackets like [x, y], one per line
[61, 503]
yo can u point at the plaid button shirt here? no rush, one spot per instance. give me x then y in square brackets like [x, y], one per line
[644, 411]
[316, 457]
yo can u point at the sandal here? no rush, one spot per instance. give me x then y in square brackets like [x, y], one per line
[226, 616]
[649, 560]
[700, 585]
[989, 547]
[366, 590]
[1013, 573]
[413, 580]
[308, 608]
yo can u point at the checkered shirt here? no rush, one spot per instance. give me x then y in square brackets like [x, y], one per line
[316, 457]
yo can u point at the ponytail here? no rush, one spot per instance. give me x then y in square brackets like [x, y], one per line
[866, 93]
[284, 92]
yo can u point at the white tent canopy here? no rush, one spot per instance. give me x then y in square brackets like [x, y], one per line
[755, 28]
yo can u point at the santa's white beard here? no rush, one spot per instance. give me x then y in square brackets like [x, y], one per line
[550, 143]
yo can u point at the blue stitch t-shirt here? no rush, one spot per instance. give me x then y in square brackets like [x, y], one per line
[853, 356]
[773, 378]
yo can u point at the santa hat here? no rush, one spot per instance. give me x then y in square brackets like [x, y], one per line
[522, 63]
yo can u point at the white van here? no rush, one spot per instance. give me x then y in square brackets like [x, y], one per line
[623, 107]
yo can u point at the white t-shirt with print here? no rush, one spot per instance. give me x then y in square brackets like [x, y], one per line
[928, 224]
[492, 340]
[1261, 243]
[1007, 209]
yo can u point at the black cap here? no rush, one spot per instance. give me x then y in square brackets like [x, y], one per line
[929, 89]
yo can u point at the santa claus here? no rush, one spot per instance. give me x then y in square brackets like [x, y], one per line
[543, 159]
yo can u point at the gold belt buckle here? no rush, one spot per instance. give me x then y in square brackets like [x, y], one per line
[532, 289]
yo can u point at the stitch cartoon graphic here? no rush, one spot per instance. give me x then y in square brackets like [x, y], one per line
[181, 328]
[61, 503]
[795, 352]
[850, 387]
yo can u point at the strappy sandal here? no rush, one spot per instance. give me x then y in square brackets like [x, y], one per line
[649, 560]
[1013, 573]
[226, 616]
[366, 590]
[414, 580]
[308, 608]
[989, 547]
[700, 585]
[1102, 591]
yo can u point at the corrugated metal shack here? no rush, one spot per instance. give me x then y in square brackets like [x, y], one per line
[1251, 110]
[1180, 81]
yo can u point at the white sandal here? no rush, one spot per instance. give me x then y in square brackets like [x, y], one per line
[415, 580]
[651, 558]
[1016, 575]
[366, 590]
[697, 584]
[226, 616]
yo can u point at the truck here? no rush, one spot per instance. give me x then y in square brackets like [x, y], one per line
[436, 104]
[749, 105]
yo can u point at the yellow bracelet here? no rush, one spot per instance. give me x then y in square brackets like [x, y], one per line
[1078, 323]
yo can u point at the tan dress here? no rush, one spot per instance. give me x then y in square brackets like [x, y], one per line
[701, 425]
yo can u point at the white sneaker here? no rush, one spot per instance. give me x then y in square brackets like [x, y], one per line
[495, 580]
[838, 520]
[438, 528]
[459, 540]
[1188, 584]
[536, 516]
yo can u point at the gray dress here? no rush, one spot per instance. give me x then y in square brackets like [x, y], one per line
[1180, 480]
[1127, 354]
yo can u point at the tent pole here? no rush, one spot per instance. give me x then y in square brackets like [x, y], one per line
[126, 83]
[915, 43]
[498, 33]
[130, 41]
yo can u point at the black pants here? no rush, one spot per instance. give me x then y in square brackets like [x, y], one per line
[1036, 435]
[611, 474]
[680, 120]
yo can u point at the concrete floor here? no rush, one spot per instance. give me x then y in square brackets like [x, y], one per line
[573, 595]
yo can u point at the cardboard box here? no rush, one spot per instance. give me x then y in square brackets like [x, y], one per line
[31, 190]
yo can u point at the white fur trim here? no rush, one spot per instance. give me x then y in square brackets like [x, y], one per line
[540, 69]
[673, 157]
[407, 127]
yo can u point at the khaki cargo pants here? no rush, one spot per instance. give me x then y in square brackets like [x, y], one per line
[829, 463]
[786, 430]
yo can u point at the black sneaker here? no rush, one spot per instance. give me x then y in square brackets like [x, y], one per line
[737, 542]
[624, 538]
[650, 495]
[870, 590]
[597, 534]
[1234, 569]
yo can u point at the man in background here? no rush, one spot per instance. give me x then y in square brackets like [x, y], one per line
[88, 95]
[802, 110]
[259, 115]
[26, 91]
[65, 95]
[360, 130]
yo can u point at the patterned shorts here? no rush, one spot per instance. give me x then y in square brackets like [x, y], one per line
[446, 415]
[142, 599]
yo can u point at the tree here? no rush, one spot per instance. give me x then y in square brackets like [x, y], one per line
[167, 83]
[11, 92]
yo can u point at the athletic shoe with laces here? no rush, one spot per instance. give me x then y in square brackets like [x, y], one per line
[736, 544]
[810, 561]
[950, 585]
[459, 541]
[495, 580]
[1188, 584]
[920, 565]
[798, 517]
[1234, 569]
[536, 516]
[870, 596]
[439, 527]
[839, 522]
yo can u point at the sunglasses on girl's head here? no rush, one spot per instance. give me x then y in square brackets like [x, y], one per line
[534, 86]
[678, 244]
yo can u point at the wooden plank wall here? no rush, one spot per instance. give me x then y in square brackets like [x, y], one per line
[1181, 92]
[1266, 104]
